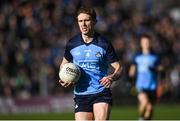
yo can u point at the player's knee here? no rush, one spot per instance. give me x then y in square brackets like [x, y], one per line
[143, 102]
[149, 107]
[143, 98]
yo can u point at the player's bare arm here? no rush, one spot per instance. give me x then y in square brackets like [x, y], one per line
[132, 70]
[64, 61]
[115, 75]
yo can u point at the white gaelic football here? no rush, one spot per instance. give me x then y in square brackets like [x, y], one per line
[70, 72]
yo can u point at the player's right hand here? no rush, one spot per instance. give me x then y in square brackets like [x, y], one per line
[65, 83]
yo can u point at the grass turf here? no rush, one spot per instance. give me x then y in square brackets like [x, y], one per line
[162, 112]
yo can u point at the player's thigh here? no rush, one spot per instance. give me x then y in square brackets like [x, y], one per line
[84, 116]
[143, 98]
[101, 111]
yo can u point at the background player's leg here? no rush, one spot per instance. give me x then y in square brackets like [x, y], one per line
[101, 111]
[148, 112]
[143, 101]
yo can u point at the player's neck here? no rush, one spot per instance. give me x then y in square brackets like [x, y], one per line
[146, 51]
[87, 38]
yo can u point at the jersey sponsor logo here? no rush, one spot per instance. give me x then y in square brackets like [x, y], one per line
[88, 64]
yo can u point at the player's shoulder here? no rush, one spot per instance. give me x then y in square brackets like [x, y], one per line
[102, 41]
[137, 54]
[74, 41]
[75, 38]
[101, 38]
[154, 54]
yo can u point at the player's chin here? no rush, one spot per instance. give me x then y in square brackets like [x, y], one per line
[85, 32]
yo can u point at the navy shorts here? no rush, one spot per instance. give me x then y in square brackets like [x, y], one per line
[84, 103]
[152, 95]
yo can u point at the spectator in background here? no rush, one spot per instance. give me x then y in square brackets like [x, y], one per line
[145, 65]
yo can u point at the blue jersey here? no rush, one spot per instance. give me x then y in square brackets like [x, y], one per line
[146, 75]
[93, 58]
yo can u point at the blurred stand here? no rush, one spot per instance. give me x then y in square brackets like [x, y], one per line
[37, 105]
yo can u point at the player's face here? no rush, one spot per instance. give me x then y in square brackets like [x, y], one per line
[145, 43]
[86, 24]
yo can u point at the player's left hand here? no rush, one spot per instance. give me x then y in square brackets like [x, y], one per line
[106, 81]
[65, 83]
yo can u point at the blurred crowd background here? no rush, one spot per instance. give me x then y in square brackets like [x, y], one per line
[33, 34]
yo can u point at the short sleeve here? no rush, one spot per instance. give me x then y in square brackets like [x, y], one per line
[111, 55]
[134, 60]
[157, 60]
[67, 54]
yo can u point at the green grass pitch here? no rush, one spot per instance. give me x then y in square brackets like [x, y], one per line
[162, 112]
